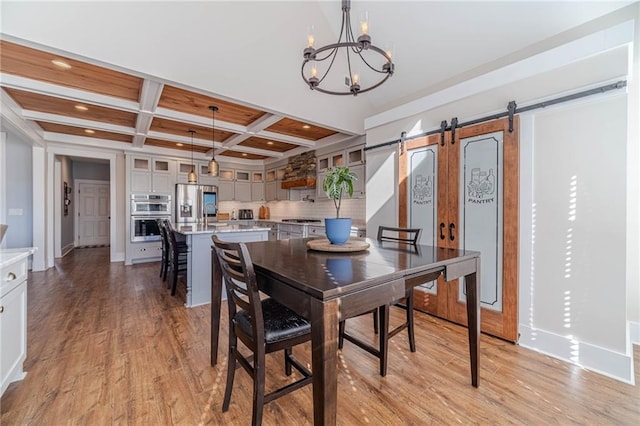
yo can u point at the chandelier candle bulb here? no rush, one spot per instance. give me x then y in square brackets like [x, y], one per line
[310, 37]
[364, 23]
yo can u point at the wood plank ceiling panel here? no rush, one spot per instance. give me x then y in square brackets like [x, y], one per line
[80, 131]
[175, 145]
[182, 129]
[189, 102]
[266, 144]
[291, 127]
[245, 155]
[36, 65]
[52, 105]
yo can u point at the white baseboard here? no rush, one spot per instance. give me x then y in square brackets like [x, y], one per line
[613, 364]
[67, 249]
[117, 257]
[634, 332]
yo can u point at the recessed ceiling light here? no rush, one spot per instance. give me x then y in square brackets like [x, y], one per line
[244, 154]
[80, 107]
[89, 131]
[61, 64]
[269, 142]
[306, 126]
[179, 144]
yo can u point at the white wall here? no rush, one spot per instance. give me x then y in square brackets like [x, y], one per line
[577, 291]
[18, 211]
[596, 336]
[90, 170]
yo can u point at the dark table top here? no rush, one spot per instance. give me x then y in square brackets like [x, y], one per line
[326, 275]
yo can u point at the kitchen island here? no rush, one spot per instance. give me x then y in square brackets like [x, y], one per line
[198, 237]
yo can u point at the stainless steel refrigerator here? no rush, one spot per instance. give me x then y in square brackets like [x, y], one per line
[196, 203]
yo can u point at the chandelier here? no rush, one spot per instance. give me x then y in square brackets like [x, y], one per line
[359, 53]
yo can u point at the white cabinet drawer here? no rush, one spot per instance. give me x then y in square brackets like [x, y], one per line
[315, 231]
[12, 275]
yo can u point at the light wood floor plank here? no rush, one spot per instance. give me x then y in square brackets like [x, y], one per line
[108, 344]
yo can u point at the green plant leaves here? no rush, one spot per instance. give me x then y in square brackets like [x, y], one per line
[336, 181]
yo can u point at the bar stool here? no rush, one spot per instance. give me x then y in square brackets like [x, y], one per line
[177, 256]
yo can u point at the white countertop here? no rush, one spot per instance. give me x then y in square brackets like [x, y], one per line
[218, 228]
[357, 224]
[9, 256]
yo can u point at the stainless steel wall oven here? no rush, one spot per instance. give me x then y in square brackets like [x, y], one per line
[146, 210]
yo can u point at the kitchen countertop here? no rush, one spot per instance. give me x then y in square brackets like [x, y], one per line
[9, 256]
[218, 228]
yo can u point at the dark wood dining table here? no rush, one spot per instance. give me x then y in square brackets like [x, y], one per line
[326, 287]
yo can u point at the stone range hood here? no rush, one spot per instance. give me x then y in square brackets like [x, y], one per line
[300, 172]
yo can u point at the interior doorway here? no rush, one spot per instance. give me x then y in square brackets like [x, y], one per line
[91, 214]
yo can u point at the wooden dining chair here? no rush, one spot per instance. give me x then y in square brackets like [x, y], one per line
[410, 236]
[263, 326]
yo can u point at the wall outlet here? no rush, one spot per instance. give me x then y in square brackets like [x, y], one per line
[15, 212]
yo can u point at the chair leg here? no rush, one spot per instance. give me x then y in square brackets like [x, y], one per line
[258, 388]
[287, 364]
[231, 370]
[375, 321]
[410, 325]
[384, 337]
[341, 335]
[174, 282]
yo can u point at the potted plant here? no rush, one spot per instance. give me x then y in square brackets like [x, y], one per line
[337, 181]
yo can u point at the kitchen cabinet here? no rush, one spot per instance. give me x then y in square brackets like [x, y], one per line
[351, 157]
[462, 189]
[226, 184]
[234, 185]
[257, 186]
[289, 230]
[151, 175]
[13, 315]
[273, 185]
[143, 251]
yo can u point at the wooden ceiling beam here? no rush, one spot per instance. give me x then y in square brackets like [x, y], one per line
[76, 122]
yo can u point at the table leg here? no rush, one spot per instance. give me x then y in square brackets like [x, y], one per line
[324, 361]
[472, 283]
[216, 299]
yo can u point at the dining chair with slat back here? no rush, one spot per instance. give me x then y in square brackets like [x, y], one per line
[410, 236]
[263, 326]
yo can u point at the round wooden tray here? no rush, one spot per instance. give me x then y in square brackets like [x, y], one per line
[352, 244]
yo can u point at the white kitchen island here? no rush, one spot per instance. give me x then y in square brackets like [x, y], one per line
[198, 237]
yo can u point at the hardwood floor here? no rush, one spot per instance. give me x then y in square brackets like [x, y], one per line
[108, 344]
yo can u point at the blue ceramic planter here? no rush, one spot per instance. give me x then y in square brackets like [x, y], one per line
[337, 229]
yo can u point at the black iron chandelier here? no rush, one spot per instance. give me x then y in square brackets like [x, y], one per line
[355, 49]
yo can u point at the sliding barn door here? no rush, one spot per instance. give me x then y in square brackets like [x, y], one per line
[476, 200]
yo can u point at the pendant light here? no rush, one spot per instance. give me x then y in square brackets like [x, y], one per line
[213, 165]
[192, 174]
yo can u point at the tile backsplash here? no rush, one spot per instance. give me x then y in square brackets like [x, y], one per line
[353, 208]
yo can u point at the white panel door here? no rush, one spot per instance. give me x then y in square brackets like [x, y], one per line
[93, 214]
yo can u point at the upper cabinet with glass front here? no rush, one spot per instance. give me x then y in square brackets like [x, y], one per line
[151, 175]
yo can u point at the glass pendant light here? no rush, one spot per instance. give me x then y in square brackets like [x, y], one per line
[192, 174]
[213, 165]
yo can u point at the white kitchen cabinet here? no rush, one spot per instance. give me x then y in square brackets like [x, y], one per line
[142, 251]
[204, 178]
[360, 184]
[13, 315]
[151, 175]
[290, 230]
[242, 191]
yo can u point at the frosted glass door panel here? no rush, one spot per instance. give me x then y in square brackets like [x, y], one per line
[481, 221]
[423, 202]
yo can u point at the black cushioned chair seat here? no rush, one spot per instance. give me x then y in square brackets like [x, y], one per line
[280, 322]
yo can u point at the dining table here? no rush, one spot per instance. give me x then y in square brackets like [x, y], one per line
[327, 287]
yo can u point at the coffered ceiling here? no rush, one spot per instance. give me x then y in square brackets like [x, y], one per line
[141, 74]
[64, 96]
